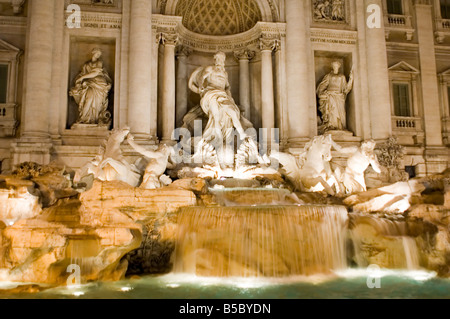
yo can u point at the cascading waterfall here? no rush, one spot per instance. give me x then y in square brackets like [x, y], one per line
[81, 252]
[270, 241]
[261, 233]
[383, 242]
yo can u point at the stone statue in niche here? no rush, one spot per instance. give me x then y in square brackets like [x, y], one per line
[211, 83]
[332, 93]
[331, 10]
[91, 90]
[102, 1]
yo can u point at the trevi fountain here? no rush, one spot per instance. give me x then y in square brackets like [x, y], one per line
[220, 208]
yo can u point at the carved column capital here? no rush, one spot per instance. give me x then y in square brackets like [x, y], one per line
[183, 51]
[169, 38]
[268, 44]
[17, 6]
[244, 54]
[277, 45]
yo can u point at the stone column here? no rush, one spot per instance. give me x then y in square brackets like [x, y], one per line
[39, 69]
[35, 143]
[436, 155]
[140, 69]
[267, 95]
[57, 78]
[244, 57]
[280, 92]
[444, 97]
[169, 40]
[430, 88]
[182, 84]
[378, 79]
[298, 56]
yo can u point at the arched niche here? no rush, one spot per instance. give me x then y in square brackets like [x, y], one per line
[270, 11]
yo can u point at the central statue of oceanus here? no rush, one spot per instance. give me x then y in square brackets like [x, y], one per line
[212, 84]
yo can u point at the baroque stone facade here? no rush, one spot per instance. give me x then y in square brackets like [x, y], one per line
[278, 52]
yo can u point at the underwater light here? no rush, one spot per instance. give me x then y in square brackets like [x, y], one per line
[173, 285]
[78, 293]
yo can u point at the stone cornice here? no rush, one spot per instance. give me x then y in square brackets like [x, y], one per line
[162, 23]
[13, 22]
[230, 43]
[319, 35]
[99, 20]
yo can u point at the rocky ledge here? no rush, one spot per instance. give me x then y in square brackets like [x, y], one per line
[93, 232]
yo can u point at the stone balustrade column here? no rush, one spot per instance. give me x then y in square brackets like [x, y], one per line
[298, 56]
[140, 69]
[244, 57]
[169, 40]
[182, 84]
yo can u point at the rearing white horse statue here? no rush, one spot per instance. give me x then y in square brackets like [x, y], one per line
[312, 172]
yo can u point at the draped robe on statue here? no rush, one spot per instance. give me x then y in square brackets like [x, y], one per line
[91, 94]
[216, 102]
[332, 92]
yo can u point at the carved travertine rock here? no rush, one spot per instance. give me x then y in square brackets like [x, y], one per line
[17, 204]
[138, 203]
[40, 249]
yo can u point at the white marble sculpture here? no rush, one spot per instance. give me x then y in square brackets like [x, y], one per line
[312, 171]
[248, 154]
[91, 91]
[332, 92]
[212, 84]
[110, 164]
[392, 199]
[352, 179]
[154, 176]
[333, 10]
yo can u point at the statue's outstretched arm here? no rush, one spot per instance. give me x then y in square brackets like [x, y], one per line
[349, 85]
[344, 150]
[375, 164]
[193, 85]
[141, 150]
